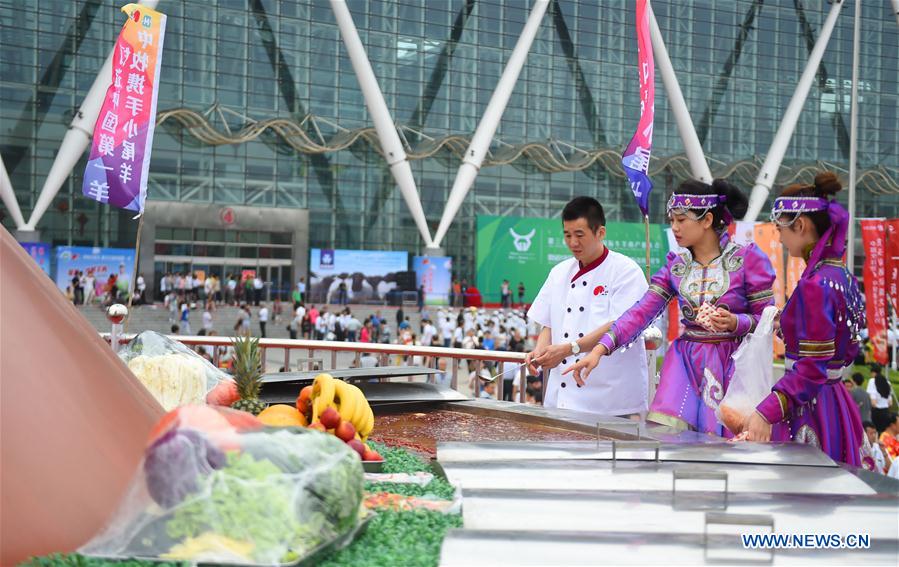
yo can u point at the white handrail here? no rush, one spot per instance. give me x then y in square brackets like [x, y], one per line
[456, 354]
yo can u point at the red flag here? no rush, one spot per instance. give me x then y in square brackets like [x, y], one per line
[874, 274]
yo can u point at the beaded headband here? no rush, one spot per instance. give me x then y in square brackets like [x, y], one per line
[697, 206]
[787, 209]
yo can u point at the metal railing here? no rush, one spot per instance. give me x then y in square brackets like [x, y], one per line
[475, 359]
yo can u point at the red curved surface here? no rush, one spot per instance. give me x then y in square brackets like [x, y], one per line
[73, 419]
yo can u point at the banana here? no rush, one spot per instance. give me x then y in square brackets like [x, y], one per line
[369, 424]
[323, 390]
[361, 404]
[348, 401]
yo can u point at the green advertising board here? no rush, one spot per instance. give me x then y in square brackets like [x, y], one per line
[524, 250]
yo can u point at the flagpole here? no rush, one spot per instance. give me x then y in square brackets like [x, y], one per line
[853, 138]
[133, 283]
[646, 222]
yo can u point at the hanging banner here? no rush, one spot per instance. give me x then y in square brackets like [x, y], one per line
[874, 274]
[109, 267]
[434, 273]
[892, 264]
[635, 158]
[119, 162]
[40, 253]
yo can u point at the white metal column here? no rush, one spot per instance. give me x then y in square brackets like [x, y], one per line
[380, 114]
[480, 142]
[698, 165]
[768, 171]
[9, 197]
[77, 138]
[853, 136]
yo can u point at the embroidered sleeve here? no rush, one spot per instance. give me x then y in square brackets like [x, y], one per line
[639, 316]
[810, 314]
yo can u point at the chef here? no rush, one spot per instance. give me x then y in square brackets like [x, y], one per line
[580, 295]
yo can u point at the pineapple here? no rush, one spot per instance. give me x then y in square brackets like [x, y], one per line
[248, 375]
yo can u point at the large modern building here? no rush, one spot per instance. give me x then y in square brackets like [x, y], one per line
[259, 107]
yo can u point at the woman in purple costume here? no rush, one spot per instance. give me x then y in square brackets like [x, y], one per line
[820, 325]
[734, 280]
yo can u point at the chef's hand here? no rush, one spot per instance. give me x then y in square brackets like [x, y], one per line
[553, 355]
[757, 429]
[723, 320]
[585, 366]
[530, 359]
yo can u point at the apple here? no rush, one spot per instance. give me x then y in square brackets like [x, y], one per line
[304, 400]
[357, 446]
[330, 418]
[345, 431]
[318, 427]
[371, 455]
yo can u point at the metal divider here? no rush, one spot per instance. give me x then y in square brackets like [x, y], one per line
[747, 520]
[686, 474]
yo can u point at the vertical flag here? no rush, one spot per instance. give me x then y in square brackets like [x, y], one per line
[892, 264]
[119, 161]
[874, 274]
[635, 159]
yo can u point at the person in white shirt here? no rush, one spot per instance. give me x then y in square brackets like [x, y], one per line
[580, 295]
[141, 289]
[427, 332]
[263, 319]
[880, 462]
[207, 317]
[368, 360]
[446, 330]
[458, 335]
[257, 289]
[209, 288]
[89, 292]
[301, 287]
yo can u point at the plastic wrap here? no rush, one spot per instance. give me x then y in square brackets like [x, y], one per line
[753, 374]
[215, 486]
[175, 374]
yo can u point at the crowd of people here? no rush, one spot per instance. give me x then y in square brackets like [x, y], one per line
[84, 288]
[195, 287]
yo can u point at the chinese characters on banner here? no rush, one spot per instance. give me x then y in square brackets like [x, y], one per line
[635, 159]
[874, 275]
[892, 264]
[119, 161]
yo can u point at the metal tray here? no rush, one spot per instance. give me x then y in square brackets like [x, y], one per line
[638, 476]
[721, 452]
[681, 511]
[496, 548]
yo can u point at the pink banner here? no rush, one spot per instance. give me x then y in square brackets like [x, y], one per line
[635, 158]
[119, 162]
[875, 286]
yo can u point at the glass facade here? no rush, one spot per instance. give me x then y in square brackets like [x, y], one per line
[282, 122]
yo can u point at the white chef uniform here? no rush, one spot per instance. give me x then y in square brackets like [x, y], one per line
[575, 300]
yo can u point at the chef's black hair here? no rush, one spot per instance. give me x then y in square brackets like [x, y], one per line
[586, 208]
[737, 202]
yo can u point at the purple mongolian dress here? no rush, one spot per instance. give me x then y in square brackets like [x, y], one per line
[698, 366]
[820, 324]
